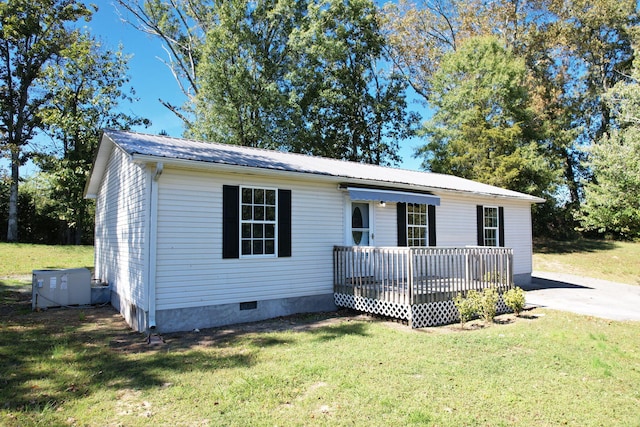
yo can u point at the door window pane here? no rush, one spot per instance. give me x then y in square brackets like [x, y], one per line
[360, 224]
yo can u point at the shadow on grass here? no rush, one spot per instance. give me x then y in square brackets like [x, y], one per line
[548, 246]
[62, 355]
[15, 299]
[329, 333]
[44, 366]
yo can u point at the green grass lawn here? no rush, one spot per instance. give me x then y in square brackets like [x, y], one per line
[609, 260]
[20, 259]
[86, 367]
[550, 368]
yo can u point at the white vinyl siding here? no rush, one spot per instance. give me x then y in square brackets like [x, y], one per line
[120, 228]
[190, 269]
[456, 225]
[386, 227]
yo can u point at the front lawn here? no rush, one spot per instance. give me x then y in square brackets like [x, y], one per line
[85, 367]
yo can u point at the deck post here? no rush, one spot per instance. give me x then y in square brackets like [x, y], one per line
[410, 270]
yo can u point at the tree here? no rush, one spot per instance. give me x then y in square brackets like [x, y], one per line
[611, 203]
[294, 75]
[244, 92]
[32, 34]
[37, 223]
[573, 52]
[592, 43]
[483, 127]
[352, 107]
[181, 26]
[86, 90]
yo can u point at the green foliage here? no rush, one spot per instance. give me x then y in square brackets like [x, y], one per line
[572, 51]
[34, 33]
[38, 223]
[487, 301]
[352, 108]
[611, 203]
[514, 299]
[467, 305]
[304, 76]
[87, 87]
[245, 95]
[483, 127]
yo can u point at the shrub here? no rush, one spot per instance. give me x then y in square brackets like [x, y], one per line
[514, 299]
[487, 301]
[467, 306]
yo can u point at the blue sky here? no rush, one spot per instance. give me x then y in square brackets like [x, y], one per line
[151, 79]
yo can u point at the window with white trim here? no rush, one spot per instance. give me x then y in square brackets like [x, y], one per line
[258, 221]
[491, 226]
[417, 225]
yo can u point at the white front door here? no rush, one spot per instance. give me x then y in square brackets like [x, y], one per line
[360, 224]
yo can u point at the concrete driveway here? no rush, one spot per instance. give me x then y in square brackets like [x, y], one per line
[584, 295]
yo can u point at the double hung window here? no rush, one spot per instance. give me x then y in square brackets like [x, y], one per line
[417, 225]
[255, 222]
[258, 222]
[491, 226]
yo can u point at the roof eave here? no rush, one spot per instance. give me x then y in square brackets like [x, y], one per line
[226, 167]
[98, 167]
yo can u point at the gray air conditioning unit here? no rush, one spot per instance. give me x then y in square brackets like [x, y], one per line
[58, 288]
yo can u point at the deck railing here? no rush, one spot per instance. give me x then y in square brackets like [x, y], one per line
[410, 276]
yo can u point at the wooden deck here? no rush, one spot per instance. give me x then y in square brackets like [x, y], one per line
[417, 284]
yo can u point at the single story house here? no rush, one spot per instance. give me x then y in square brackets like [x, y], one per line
[193, 234]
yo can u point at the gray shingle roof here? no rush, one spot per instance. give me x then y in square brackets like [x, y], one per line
[170, 148]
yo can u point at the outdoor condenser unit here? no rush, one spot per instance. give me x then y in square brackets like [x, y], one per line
[56, 288]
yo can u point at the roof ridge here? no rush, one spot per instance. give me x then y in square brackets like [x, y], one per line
[270, 150]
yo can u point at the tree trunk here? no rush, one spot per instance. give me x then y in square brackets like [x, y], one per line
[12, 223]
[570, 176]
[81, 212]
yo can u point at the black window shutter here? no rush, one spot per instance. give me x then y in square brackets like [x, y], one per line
[284, 223]
[230, 221]
[431, 212]
[501, 226]
[480, 224]
[402, 224]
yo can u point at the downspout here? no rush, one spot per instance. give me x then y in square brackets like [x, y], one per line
[153, 229]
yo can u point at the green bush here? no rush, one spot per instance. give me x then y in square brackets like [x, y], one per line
[467, 306]
[487, 301]
[514, 299]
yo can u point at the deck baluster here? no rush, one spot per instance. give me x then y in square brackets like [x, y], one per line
[398, 281]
